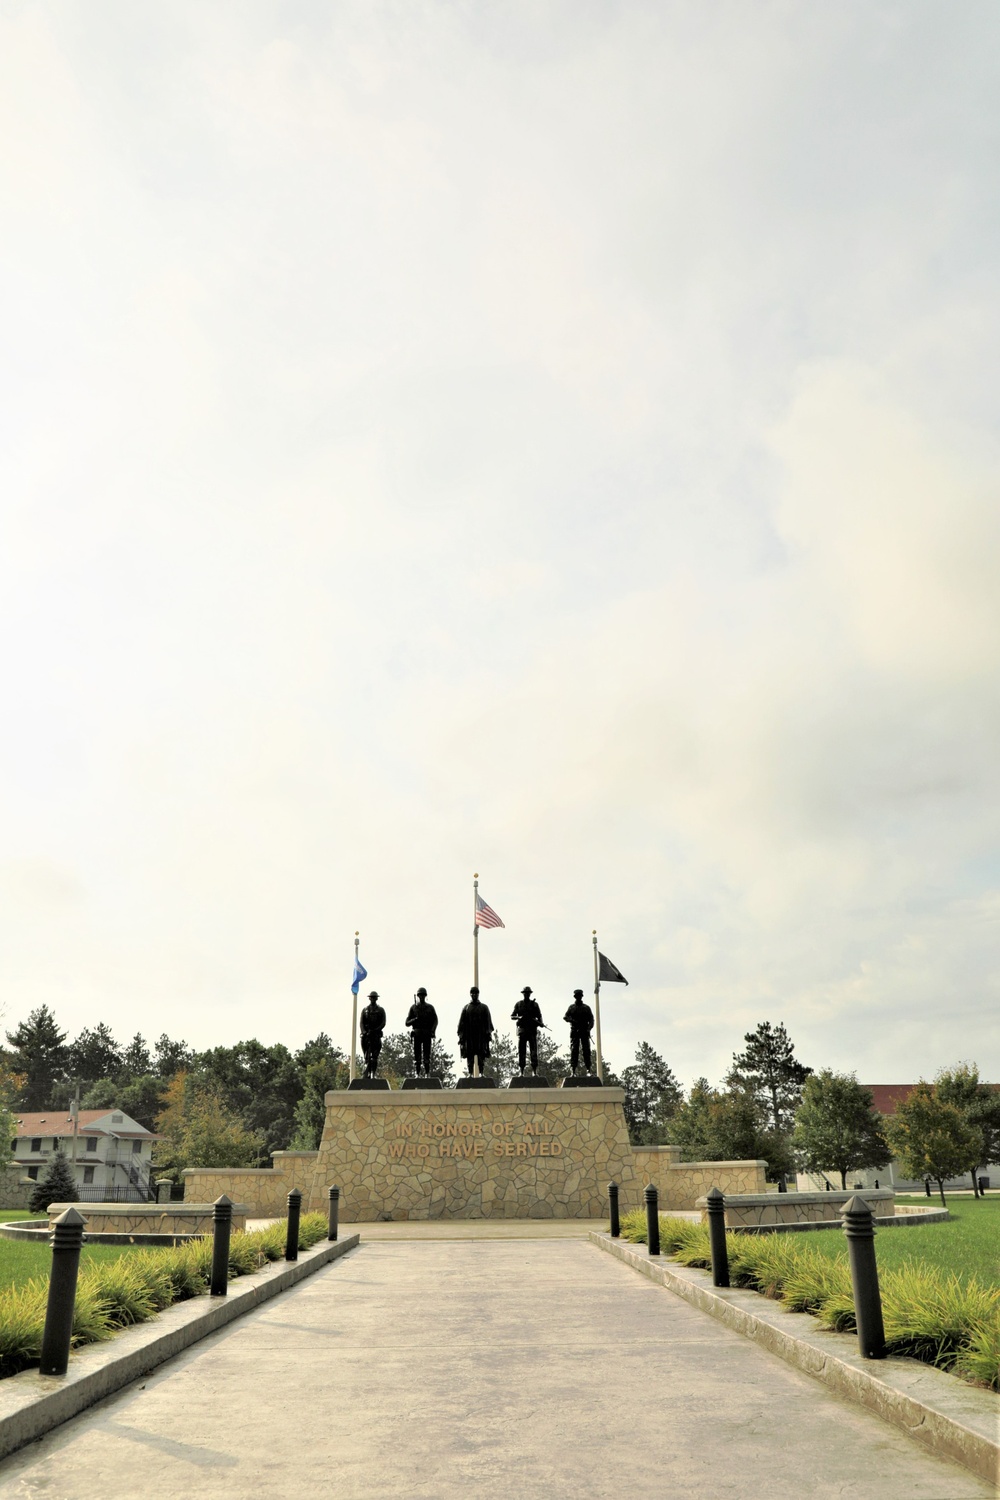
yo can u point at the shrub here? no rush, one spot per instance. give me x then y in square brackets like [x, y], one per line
[113, 1294]
[929, 1314]
[55, 1185]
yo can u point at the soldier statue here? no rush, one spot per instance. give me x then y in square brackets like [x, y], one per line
[423, 1023]
[372, 1027]
[475, 1027]
[528, 1015]
[581, 1024]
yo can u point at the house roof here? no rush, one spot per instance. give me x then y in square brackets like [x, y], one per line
[886, 1096]
[58, 1122]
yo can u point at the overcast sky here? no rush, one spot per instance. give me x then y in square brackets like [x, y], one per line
[557, 440]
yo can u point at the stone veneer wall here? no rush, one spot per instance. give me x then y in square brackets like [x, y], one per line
[263, 1189]
[149, 1218]
[798, 1208]
[15, 1188]
[475, 1154]
[682, 1183]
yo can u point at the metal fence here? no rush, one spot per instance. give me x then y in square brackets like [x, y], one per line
[127, 1193]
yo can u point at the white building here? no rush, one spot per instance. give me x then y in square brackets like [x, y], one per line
[111, 1154]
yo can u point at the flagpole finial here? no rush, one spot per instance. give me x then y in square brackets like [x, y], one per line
[475, 874]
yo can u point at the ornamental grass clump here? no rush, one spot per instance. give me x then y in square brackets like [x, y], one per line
[932, 1315]
[113, 1294]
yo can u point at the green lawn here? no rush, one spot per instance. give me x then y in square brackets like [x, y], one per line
[968, 1244]
[20, 1260]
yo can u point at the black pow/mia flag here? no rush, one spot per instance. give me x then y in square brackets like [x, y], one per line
[609, 972]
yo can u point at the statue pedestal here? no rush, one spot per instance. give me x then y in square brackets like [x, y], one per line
[527, 1081]
[587, 1082]
[422, 1083]
[475, 1152]
[369, 1083]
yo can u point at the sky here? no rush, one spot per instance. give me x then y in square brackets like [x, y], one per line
[555, 440]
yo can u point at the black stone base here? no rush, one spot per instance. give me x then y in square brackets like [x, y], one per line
[592, 1082]
[527, 1081]
[476, 1083]
[369, 1083]
[422, 1083]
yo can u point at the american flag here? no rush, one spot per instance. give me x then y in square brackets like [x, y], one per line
[485, 915]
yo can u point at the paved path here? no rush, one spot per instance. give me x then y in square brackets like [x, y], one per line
[478, 1369]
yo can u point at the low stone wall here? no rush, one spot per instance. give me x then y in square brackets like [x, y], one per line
[15, 1188]
[148, 1218]
[681, 1183]
[263, 1189]
[750, 1209]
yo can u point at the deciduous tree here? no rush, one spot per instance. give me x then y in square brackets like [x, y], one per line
[979, 1105]
[836, 1127]
[932, 1138]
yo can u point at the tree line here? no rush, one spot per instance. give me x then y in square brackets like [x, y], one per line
[234, 1106]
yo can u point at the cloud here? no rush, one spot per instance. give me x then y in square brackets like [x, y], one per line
[550, 443]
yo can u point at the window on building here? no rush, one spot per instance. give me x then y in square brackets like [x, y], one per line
[36, 1143]
[33, 1173]
[117, 1119]
[92, 1143]
[136, 1147]
[88, 1174]
[13, 1146]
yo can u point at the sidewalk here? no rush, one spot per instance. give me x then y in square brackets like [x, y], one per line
[479, 1368]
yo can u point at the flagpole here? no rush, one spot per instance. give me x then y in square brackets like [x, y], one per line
[475, 948]
[354, 1016]
[597, 1008]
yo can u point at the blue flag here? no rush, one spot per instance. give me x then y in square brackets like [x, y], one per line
[360, 972]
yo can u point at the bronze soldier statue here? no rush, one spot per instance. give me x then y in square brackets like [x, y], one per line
[528, 1015]
[423, 1023]
[581, 1024]
[372, 1027]
[475, 1027]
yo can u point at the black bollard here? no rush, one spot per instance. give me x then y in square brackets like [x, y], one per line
[67, 1240]
[716, 1204]
[860, 1232]
[652, 1220]
[616, 1227]
[222, 1223]
[292, 1237]
[334, 1213]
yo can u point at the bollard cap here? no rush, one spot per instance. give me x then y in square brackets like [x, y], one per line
[856, 1206]
[650, 1190]
[295, 1193]
[224, 1202]
[714, 1195]
[612, 1187]
[335, 1192]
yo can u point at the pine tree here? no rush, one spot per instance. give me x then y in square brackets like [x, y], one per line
[40, 1054]
[652, 1095]
[836, 1127]
[94, 1054]
[770, 1069]
[56, 1185]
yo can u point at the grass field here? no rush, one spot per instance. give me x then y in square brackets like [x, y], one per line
[968, 1244]
[20, 1262]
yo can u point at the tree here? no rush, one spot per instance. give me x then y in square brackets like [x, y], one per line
[199, 1130]
[728, 1125]
[137, 1060]
[93, 1055]
[836, 1127]
[11, 1085]
[263, 1085]
[652, 1095]
[979, 1105]
[142, 1097]
[40, 1054]
[310, 1112]
[55, 1185]
[770, 1068]
[170, 1058]
[932, 1138]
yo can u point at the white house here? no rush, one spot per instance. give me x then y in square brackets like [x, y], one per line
[111, 1154]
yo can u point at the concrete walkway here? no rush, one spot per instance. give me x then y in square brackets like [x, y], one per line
[479, 1369]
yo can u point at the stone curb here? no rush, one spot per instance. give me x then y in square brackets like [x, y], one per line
[953, 1420]
[32, 1404]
